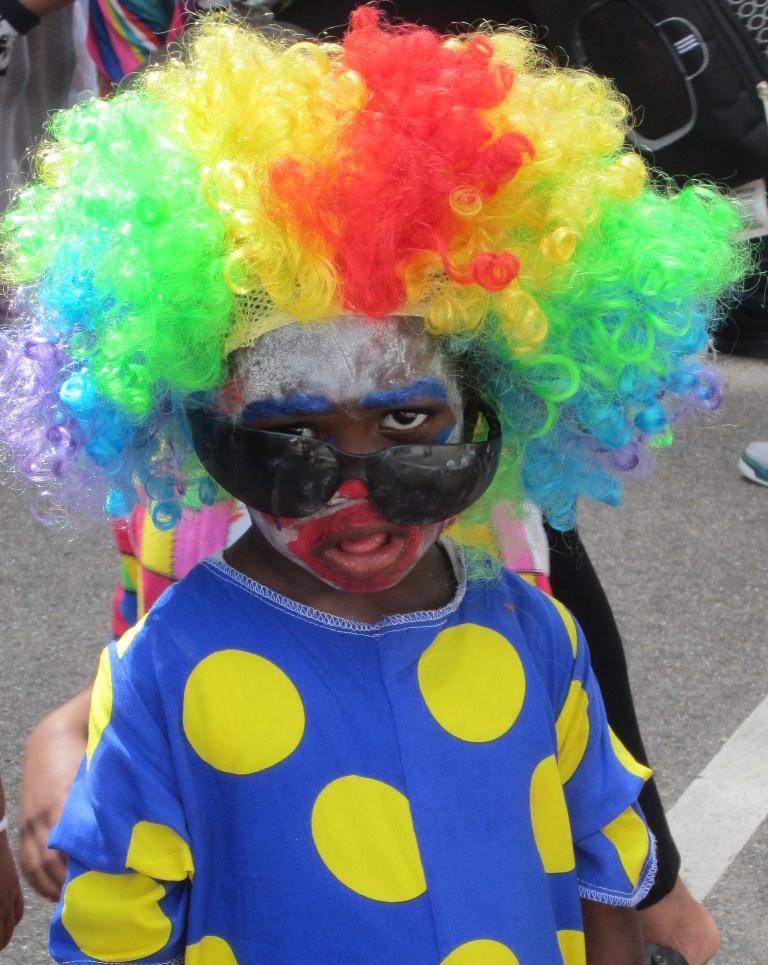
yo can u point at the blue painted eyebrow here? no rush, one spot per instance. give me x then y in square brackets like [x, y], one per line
[431, 389]
[298, 404]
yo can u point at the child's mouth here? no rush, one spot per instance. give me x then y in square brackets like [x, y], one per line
[366, 556]
[363, 544]
[355, 547]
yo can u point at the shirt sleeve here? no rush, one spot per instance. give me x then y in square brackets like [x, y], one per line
[614, 849]
[123, 829]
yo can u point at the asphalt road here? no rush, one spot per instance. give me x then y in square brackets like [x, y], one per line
[683, 562]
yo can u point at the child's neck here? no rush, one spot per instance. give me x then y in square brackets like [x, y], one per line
[431, 584]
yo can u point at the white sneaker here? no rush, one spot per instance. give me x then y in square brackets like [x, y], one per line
[753, 463]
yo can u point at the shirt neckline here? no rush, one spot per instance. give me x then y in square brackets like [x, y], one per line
[456, 558]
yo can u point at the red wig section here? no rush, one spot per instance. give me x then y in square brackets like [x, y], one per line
[419, 142]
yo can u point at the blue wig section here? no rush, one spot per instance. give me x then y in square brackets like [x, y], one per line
[601, 436]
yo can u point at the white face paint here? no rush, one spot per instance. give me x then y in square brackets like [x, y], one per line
[361, 385]
[349, 363]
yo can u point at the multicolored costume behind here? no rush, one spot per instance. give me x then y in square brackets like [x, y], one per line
[463, 180]
[152, 559]
[123, 36]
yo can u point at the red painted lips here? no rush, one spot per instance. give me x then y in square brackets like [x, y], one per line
[356, 548]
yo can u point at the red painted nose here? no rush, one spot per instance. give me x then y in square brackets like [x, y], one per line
[353, 489]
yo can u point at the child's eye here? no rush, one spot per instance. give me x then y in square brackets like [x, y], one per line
[403, 419]
[306, 432]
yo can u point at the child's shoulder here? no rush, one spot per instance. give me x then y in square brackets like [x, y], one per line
[190, 591]
[545, 627]
[485, 576]
[201, 613]
[199, 602]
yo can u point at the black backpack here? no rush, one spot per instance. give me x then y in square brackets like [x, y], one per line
[693, 70]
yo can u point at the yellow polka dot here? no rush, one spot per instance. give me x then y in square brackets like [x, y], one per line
[115, 918]
[156, 547]
[629, 836]
[473, 682]
[210, 950]
[572, 947]
[549, 817]
[484, 951]
[241, 712]
[570, 626]
[158, 851]
[364, 833]
[101, 705]
[127, 638]
[633, 766]
[572, 731]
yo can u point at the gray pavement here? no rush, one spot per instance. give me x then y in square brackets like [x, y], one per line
[683, 562]
[685, 565]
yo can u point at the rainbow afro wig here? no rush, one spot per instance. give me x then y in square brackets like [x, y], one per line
[251, 182]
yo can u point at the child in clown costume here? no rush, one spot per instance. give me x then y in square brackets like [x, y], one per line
[373, 291]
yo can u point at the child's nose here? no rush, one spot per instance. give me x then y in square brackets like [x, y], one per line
[356, 435]
[353, 489]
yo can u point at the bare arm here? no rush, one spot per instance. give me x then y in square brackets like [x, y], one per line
[11, 901]
[612, 934]
[52, 756]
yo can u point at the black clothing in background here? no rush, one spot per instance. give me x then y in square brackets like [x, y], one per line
[575, 584]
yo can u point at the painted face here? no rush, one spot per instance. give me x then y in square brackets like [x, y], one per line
[362, 386]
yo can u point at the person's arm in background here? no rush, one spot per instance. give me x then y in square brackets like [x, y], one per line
[19, 18]
[611, 934]
[11, 901]
[52, 757]
[57, 743]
